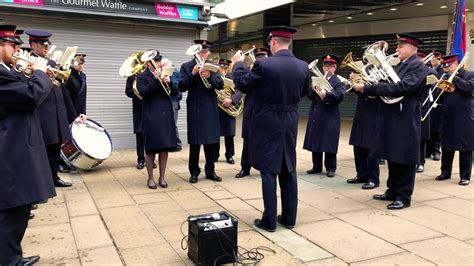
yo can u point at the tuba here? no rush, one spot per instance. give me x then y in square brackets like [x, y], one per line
[382, 69]
[159, 73]
[131, 67]
[226, 93]
[194, 50]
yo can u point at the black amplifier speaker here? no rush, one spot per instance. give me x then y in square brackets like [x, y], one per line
[212, 238]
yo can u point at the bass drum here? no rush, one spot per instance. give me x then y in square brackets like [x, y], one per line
[89, 147]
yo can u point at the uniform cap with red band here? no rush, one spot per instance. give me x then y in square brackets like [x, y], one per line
[422, 53]
[7, 33]
[408, 38]
[280, 31]
[39, 36]
[330, 59]
[205, 44]
[449, 59]
[261, 52]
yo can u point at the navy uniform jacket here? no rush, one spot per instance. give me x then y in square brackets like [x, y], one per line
[53, 116]
[136, 104]
[397, 130]
[363, 125]
[202, 111]
[75, 94]
[25, 176]
[435, 114]
[227, 122]
[158, 125]
[457, 132]
[277, 84]
[426, 125]
[248, 110]
[324, 121]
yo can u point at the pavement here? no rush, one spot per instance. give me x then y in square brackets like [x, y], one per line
[110, 217]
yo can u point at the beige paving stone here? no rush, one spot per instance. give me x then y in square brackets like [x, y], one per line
[112, 202]
[388, 226]
[305, 185]
[404, 258]
[100, 256]
[183, 254]
[169, 218]
[207, 186]
[443, 251]
[137, 238]
[199, 211]
[441, 221]
[151, 198]
[422, 194]
[52, 212]
[172, 233]
[89, 232]
[346, 241]
[326, 262]
[150, 255]
[449, 187]
[79, 204]
[196, 203]
[457, 206]
[234, 204]
[247, 216]
[220, 194]
[329, 201]
[359, 194]
[246, 188]
[53, 243]
[78, 187]
[160, 207]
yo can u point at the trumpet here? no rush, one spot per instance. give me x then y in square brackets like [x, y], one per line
[194, 50]
[446, 85]
[157, 71]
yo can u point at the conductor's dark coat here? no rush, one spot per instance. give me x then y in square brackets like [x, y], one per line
[363, 125]
[136, 105]
[324, 122]
[457, 132]
[277, 84]
[426, 124]
[397, 132]
[158, 125]
[25, 176]
[76, 93]
[202, 109]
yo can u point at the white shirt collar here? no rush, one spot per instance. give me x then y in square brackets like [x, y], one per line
[3, 64]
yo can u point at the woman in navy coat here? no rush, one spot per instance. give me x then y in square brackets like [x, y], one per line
[158, 124]
[324, 122]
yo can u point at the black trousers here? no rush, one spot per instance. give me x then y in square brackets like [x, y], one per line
[209, 153]
[367, 168]
[435, 143]
[229, 147]
[245, 163]
[401, 181]
[465, 164]
[13, 222]
[289, 197]
[330, 161]
[140, 147]
[423, 151]
[54, 159]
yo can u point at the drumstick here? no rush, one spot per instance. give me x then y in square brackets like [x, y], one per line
[100, 129]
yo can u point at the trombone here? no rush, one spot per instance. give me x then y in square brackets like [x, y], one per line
[427, 58]
[157, 71]
[446, 85]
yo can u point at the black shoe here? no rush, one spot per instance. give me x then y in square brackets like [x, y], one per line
[214, 177]
[398, 205]
[216, 159]
[63, 169]
[381, 162]
[178, 148]
[258, 223]
[331, 173]
[140, 165]
[242, 173]
[370, 185]
[193, 179]
[442, 177]
[464, 182]
[62, 183]
[34, 206]
[32, 215]
[230, 160]
[152, 186]
[312, 171]
[436, 157]
[383, 196]
[420, 168]
[280, 221]
[41, 201]
[30, 260]
[356, 180]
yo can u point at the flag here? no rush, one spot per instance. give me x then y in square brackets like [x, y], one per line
[459, 37]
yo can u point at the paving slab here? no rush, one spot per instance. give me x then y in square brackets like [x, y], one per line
[89, 232]
[100, 256]
[404, 258]
[327, 262]
[151, 198]
[329, 201]
[80, 204]
[150, 255]
[443, 251]
[457, 206]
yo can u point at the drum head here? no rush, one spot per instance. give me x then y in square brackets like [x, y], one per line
[92, 139]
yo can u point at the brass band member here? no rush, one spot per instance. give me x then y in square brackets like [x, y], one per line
[226, 121]
[435, 115]
[324, 121]
[203, 113]
[24, 173]
[158, 125]
[259, 53]
[457, 129]
[397, 133]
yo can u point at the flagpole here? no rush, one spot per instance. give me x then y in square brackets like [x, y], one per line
[453, 26]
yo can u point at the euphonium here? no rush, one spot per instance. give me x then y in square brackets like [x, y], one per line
[226, 93]
[320, 79]
[148, 57]
[194, 50]
[131, 67]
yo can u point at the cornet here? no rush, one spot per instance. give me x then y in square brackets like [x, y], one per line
[149, 56]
